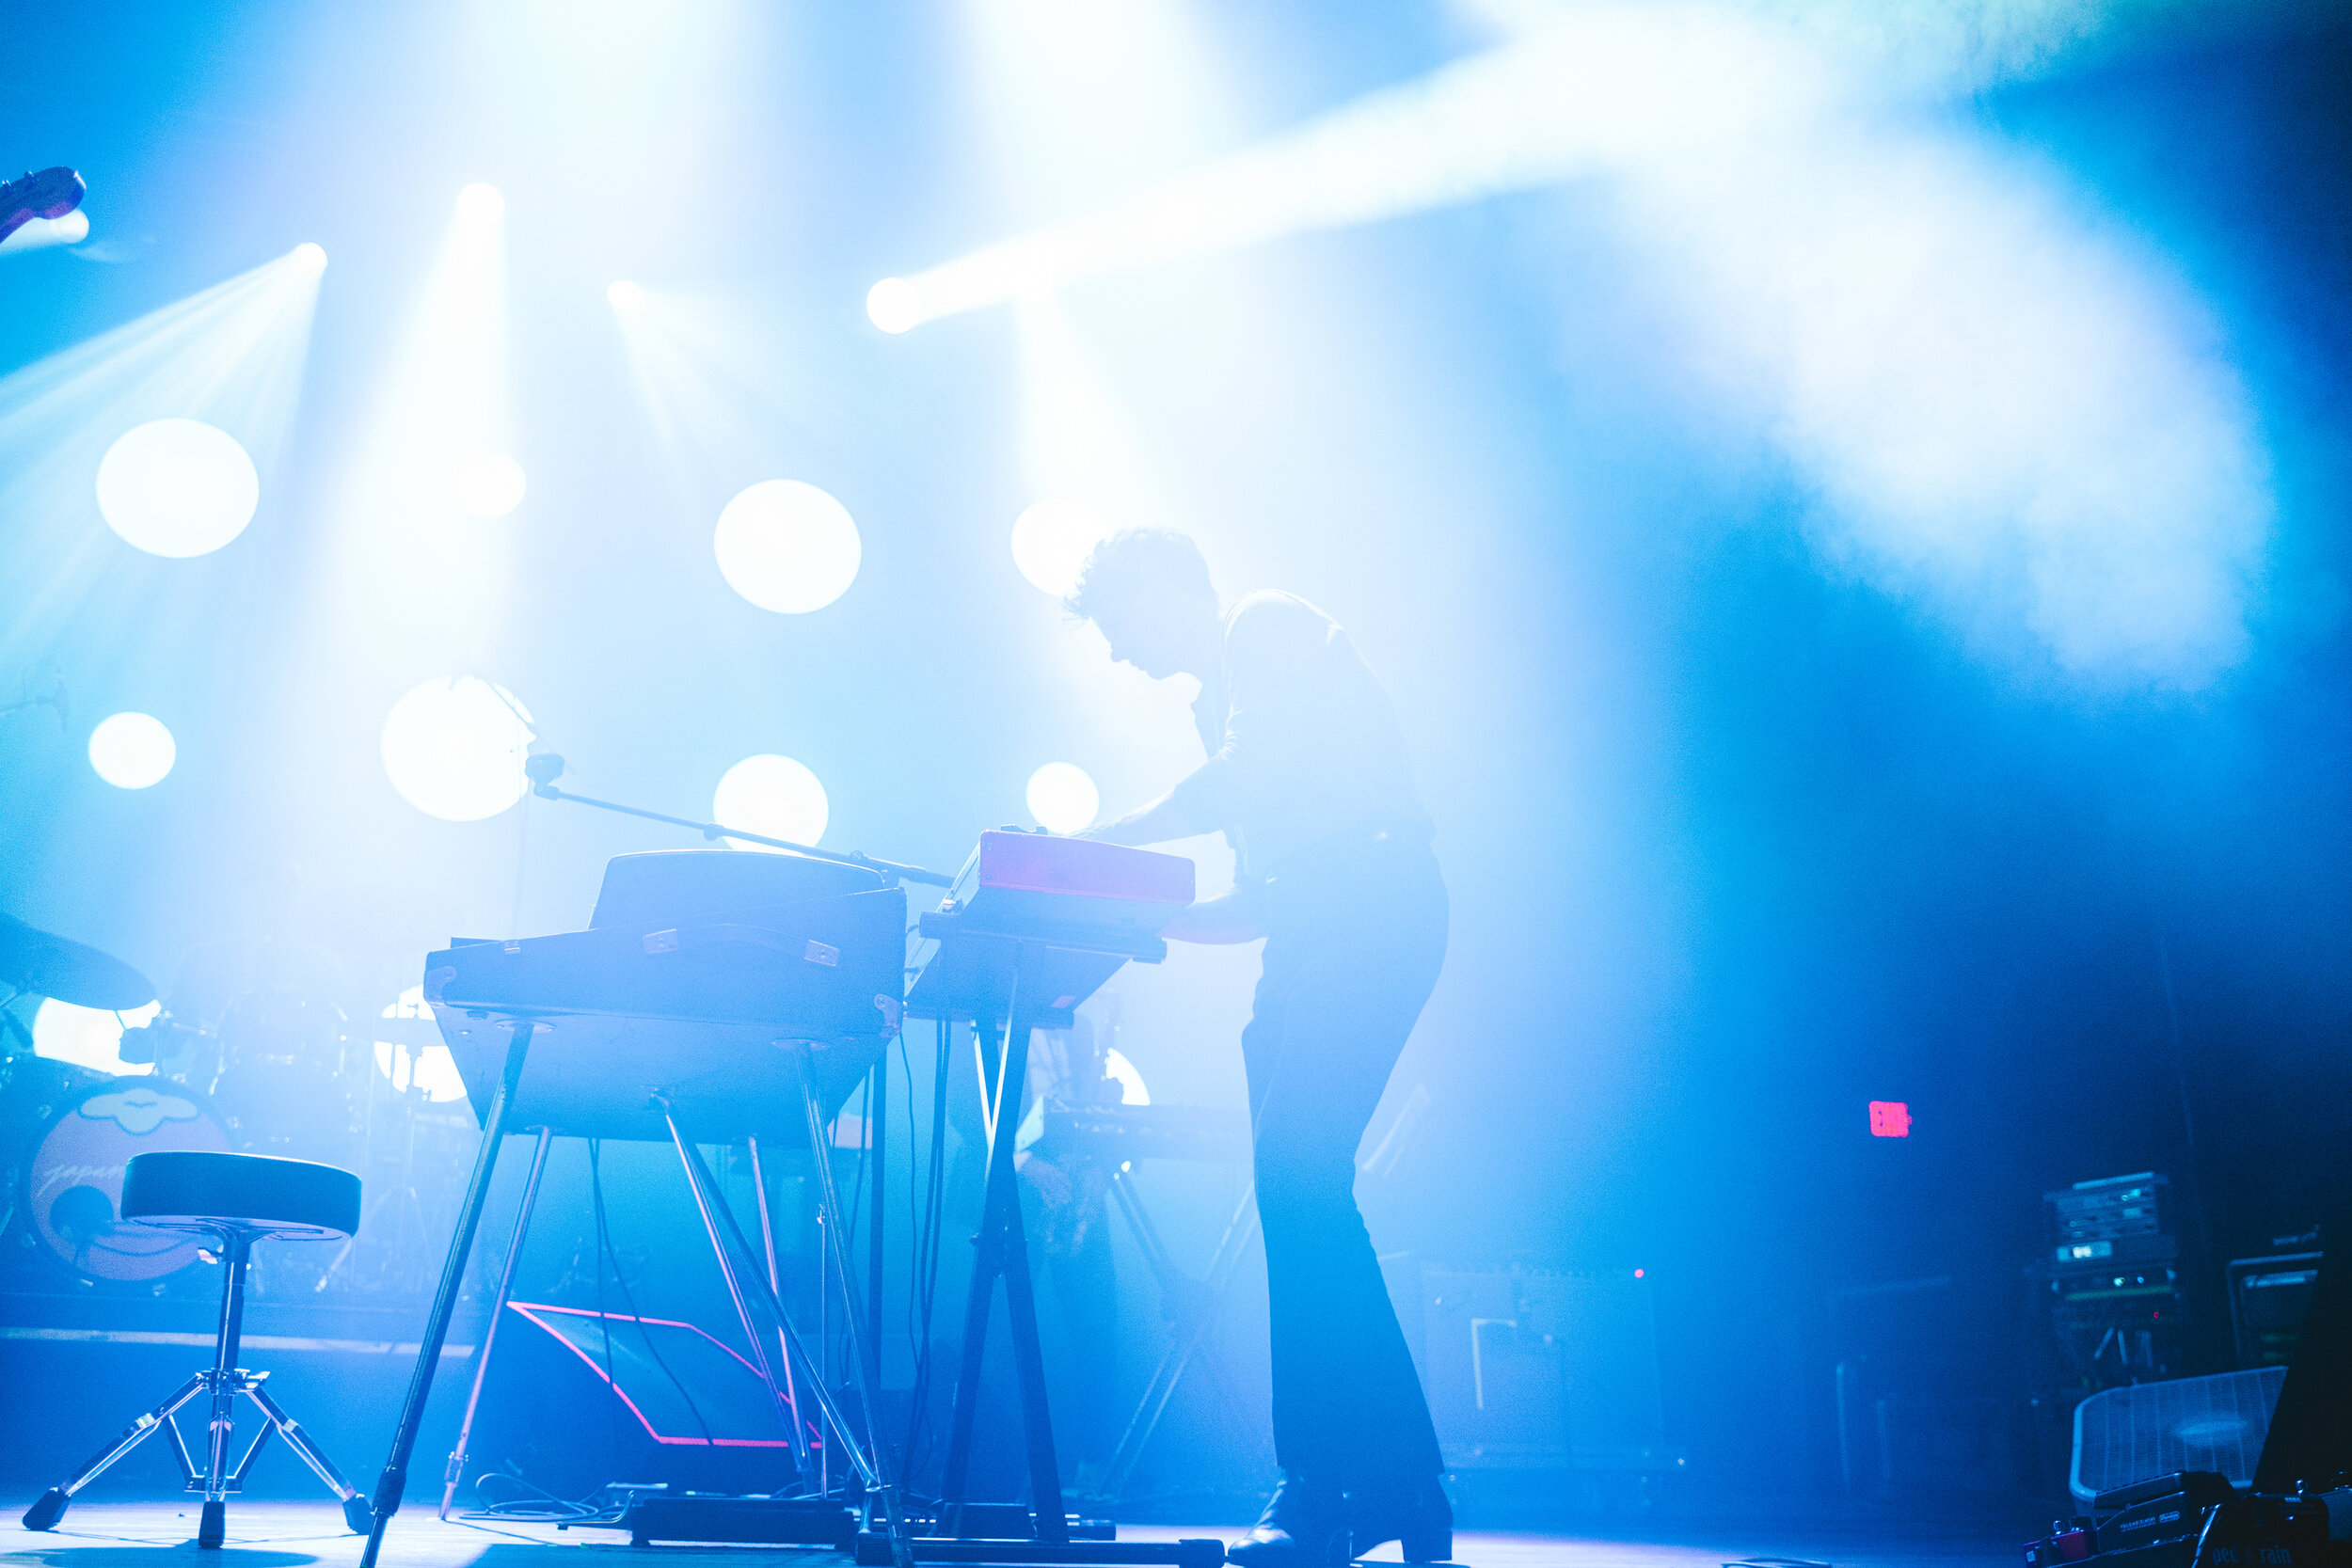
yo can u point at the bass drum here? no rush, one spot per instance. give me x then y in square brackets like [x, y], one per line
[72, 1188]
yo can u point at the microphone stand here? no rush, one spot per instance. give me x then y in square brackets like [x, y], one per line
[545, 768]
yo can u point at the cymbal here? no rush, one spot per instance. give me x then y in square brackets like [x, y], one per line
[33, 960]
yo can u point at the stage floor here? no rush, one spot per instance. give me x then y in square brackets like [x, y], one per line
[105, 1534]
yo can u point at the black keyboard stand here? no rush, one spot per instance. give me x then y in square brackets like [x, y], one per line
[1011, 984]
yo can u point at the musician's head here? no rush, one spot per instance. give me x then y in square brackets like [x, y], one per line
[1147, 590]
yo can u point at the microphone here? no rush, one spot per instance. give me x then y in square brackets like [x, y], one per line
[543, 769]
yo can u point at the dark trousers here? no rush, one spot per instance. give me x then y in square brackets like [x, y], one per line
[1355, 933]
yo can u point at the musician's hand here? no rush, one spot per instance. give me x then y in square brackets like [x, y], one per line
[1230, 917]
[1156, 823]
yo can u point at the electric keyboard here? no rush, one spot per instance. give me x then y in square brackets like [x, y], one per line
[697, 963]
[1059, 915]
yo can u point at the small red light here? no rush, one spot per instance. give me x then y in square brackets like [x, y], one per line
[1890, 1118]
[1637, 1274]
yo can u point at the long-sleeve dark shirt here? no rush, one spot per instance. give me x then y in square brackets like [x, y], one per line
[1303, 741]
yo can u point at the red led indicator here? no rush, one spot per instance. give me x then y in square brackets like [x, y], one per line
[1637, 1274]
[1890, 1118]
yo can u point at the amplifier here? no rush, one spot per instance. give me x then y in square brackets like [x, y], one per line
[2118, 1219]
[1537, 1370]
[2269, 1298]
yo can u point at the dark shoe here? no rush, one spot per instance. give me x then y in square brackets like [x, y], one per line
[1304, 1526]
[1415, 1513]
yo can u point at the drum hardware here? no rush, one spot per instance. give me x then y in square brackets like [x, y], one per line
[231, 1201]
[33, 962]
[71, 1186]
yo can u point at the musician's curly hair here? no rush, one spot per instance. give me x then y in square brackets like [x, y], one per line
[1118, 564]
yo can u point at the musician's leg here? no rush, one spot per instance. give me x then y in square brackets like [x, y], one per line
[1345, 981]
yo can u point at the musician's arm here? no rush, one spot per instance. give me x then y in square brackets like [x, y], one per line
[1162, 820]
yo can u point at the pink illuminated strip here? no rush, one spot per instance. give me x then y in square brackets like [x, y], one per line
[532, 1310]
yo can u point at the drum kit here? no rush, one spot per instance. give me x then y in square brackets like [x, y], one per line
[254, 1055]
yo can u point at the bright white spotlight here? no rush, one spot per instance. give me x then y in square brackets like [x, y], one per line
[132, 751]
[310, 257]
[1062, 798]
[405, 1061]
[627, 297]
[487, 483]
[770, 795]
[786, 546]
[481, 203]
[455, 748]
[1052, 540]
[894, 305]
[1131, 1088]
[33, 233]
[88, 1037]
[177, 487]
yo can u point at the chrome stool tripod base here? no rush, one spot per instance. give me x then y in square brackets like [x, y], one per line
[237, 1199]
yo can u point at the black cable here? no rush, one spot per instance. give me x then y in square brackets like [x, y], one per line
[923, 1288]
[595, 1185]
[604, 1319]
[541, 1507]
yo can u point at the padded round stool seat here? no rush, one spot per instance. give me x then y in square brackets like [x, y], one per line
[259, 1195]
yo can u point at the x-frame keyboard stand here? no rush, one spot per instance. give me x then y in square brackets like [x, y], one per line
[1014, 991]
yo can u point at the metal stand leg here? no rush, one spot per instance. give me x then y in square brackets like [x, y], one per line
[44, 1514]
[455, 1472]
[713, 1203]
[775, 1288]
[1004, 1253]
[395, 1480]
[1146, 1420]
[236, 1256]
[865, 1353]
[704, 1203]
[355, 1505]
[876, 1110]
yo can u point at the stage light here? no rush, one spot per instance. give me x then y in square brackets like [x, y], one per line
[415, 1060]
[455, 748]
[1890, 1118]
[626, 297]
[1062, 798]
[132, 751]
[310, 258]
[33, 233]
[786, 546]
[1052, 540]
[771, 795]
[481, 203]
[2007, 403]
[894, 305]
[487, 483]
[177, 487]
[1131, 1088]
[89, 1036]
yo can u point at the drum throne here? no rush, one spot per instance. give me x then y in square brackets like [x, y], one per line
[236, 1200]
